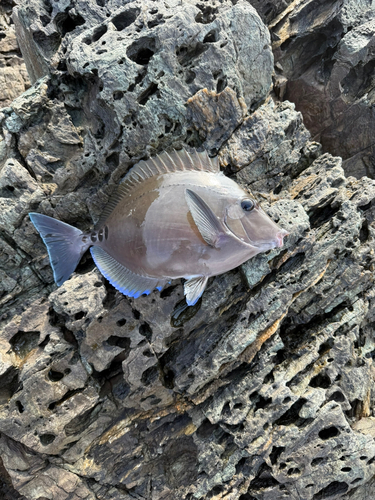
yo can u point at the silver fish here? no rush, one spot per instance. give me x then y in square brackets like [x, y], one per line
[173, 216]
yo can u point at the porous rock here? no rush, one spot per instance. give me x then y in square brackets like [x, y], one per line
[324, 64]
[263, 389]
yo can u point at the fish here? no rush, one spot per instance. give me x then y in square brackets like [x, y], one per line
[175, 215]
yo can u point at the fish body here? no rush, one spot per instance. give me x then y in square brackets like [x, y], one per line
[175, 215]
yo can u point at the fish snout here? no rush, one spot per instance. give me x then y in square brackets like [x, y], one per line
[280, 236]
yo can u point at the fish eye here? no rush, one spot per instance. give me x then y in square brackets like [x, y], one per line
[247, 205]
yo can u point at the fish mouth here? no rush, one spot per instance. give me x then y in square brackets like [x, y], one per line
[279, 238]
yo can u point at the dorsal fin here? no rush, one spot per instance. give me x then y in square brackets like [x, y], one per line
[175, 161]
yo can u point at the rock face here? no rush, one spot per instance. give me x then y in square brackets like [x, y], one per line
[263, 389]
[13, 75]
[324, 54]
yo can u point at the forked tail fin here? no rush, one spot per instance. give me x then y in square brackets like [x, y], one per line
[64, 244]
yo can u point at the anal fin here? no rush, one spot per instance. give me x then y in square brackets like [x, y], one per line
[124, 280]
[193, 289]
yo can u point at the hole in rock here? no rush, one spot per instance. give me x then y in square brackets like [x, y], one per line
[125, 19]
[149, 375]
[263, 479]
[81, 422]
[207, 14]
[337, 396]
[55, 376]
[167, 292]
[146, 94]
[147, 353]
[141, 51]
[146, 331]
[206, 429]
[291, 416]
[186, 54]
[113, 160]
[122, 342]
[47, 439]
[241, 465]
[45, 20]
[328, 432]
[66, 22]
[221, 84]
[80, 315]
[320, 380]
[356, 480]
[117, 95]
[293, 470]
[121, 322]
[155, 22]
[23, 343]
[317, 461]
[333, 489]
[211, 37]
[262, 402]
[326, 346]
[169, 379]
[99, 32]
[275, 453]
[20, 406]
[190, 77]
[321, 215]
[67, 396]
[136, 314]
[364, 232]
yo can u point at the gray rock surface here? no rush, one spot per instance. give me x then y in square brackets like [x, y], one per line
[324, 64]
[13, 75]
[263, 389]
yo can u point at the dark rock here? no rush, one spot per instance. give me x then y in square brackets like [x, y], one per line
[324, 64]
[263, 389]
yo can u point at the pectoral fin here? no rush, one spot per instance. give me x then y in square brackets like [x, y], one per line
[206, 221]
[193, 288]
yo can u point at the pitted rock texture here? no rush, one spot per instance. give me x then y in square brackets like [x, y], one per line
[13, 75]
[264, 388]
[324, 64]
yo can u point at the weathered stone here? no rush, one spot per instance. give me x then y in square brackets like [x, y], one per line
[13, 75]
[263, 389]
[324, 55]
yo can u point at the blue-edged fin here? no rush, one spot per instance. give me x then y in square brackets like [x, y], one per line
[165, 163]
[64, 245]
[124, 280]
[193, 289]
[206, 221]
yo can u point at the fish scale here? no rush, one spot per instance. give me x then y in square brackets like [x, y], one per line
[173, 216]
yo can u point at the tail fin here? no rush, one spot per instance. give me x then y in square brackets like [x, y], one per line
[64, 244]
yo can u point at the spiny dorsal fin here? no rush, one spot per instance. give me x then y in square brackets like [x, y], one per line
[175, 161]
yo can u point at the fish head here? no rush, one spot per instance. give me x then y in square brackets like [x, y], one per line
[246, 219]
